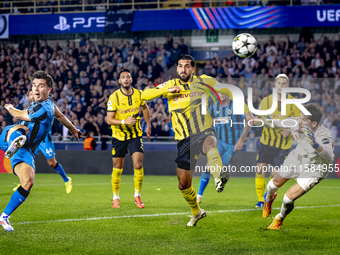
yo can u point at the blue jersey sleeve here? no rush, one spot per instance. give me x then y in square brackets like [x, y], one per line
[37, 113]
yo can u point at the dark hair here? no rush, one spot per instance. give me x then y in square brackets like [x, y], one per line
[315, 111]
[188, 57]
[124, 70]
[42, 75]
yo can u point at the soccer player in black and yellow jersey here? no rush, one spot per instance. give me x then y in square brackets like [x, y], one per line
[193, 130]
[123, 116]
[275, 143]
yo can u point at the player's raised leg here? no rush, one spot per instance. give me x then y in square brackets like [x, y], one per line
[26, 175]
[116, 179]
[16, 138]
[215, 161]
[226, 152]
[189, 194]
[137, 159]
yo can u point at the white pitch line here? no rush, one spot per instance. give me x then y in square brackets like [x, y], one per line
[74, 184]
[164, 214]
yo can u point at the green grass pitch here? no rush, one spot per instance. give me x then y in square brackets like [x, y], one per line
[83, 222]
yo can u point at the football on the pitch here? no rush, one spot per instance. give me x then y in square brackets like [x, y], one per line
[244, 45]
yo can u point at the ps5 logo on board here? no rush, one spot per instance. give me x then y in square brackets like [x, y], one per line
[62, 26]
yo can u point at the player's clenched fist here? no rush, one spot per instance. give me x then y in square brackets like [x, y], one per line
[175, 89]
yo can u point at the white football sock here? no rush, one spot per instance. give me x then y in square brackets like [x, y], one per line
[271, 189]
[287, 207]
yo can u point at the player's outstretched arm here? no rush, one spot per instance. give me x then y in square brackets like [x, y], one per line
[21, 115]
[67, 123]
[150, 94]
[146, 115]
[162, 89]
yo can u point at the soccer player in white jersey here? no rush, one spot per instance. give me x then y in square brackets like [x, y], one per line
[308, 163]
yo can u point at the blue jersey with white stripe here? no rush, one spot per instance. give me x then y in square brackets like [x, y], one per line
[41, 115]
[226, 132]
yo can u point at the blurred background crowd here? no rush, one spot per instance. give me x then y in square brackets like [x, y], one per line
[86, 73]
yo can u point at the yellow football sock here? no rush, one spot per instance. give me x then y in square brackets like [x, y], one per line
[115, 180]
[138, 179]
[260, 182]
[215, 162]
[190, 196]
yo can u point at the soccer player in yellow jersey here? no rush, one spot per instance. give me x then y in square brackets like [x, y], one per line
[193, 130]
[123, 116]
[275, 143]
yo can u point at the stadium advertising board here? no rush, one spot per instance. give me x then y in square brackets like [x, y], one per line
[163, 20]
[57, 23]
[118, 21]
[195, 18]
[237, 18]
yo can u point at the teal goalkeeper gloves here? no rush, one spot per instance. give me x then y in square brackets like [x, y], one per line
[309, 134]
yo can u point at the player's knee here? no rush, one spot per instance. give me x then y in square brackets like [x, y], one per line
[183, 185]
[278, 181]
[260, 168]
[138, 165]
[52, 163]
[210, 143]
[117, 164]
[25, 130]
[27, 184]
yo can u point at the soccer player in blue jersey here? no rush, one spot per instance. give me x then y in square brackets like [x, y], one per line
[21, 140]
[47, 148]
[230, 135]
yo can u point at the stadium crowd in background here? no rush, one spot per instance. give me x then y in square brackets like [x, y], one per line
[86, 74]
